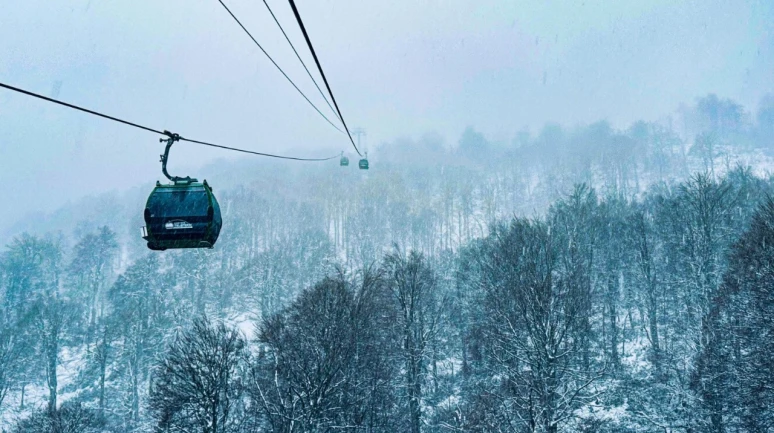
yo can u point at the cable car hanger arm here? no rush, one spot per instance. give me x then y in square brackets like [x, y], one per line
[165, 157]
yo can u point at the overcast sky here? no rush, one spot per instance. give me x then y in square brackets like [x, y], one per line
[398, 68]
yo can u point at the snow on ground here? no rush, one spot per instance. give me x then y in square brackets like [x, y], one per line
[71, 362]
[35, 398]
[449, 366]
[245, 323]
[635, 359]
[602, 413]
[449, 402]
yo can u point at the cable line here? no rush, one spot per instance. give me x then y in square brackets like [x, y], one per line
[319, 68]
[257, 153]
[277, 66]
[299, 57]
[75, 107]
[172, 136]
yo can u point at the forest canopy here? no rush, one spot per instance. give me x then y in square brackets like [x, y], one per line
[573, 279]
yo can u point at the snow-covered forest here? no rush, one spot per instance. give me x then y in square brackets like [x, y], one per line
[575, 279]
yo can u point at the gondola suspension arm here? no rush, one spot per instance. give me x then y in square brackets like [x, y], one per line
[172, 138]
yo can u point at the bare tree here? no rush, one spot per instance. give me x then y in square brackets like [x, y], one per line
[646, 267]
[532, 323]
[197, 386]
[325, 360]
[9, 356]
[92, 268]
[414, 286]
[734, 372]
[72, 417]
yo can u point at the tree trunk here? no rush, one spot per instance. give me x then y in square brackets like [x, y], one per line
[413, 386]
[135, 415]
[653, 324]
[103, 368]
[215, 416]
[612, 287]
[52, 350]
[414, 397]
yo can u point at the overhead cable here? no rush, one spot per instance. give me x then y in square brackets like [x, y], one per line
[75, 107]
[299, 58]
[319, 68]
[277, 66]
[167, 133]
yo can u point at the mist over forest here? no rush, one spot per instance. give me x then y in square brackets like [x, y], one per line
[574, 279]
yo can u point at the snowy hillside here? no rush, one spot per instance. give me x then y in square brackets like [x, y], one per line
[577, 280]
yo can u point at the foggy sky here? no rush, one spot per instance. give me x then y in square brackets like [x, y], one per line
[397, 68]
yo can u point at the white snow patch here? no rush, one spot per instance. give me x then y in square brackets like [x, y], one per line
[602, 413]
[636, 356]
[449, 366]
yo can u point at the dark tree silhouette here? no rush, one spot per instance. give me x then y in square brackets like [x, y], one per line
[71, 417]
[534, 317]
[198, 386]
[325, 362]
[413, 286]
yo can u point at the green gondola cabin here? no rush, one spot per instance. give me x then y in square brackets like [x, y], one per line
[182, 215]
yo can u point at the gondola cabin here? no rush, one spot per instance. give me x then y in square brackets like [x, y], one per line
[344, 161]
[363, 164]
[181, 215]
